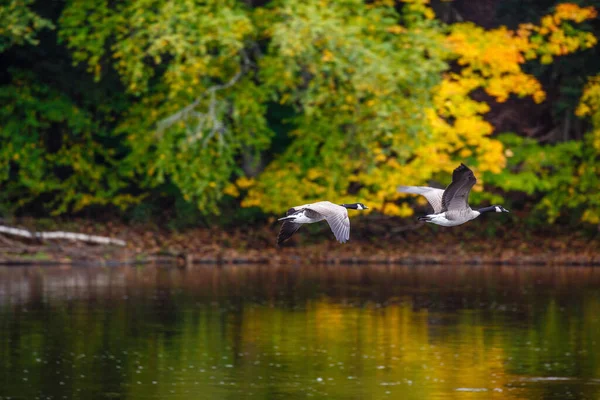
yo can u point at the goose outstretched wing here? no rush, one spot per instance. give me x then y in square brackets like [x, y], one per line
[287, 230]
[456, 195]
[433, 195]
[336, 216]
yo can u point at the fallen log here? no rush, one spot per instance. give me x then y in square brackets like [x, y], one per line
[61, 235]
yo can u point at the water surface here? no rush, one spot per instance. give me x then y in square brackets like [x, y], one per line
[289, 332]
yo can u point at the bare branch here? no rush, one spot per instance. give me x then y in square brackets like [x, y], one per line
[211, 115]
[60, 235]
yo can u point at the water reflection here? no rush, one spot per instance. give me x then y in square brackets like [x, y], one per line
[351, 332]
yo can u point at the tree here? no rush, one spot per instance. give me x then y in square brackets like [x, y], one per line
[187, 99]
[20, 24]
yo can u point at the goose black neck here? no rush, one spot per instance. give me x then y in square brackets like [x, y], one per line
[487, 209]
[353, 206]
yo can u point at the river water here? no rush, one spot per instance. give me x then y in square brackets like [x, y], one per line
[298, 332]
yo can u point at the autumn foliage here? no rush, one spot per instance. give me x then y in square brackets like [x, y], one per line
[218, 103]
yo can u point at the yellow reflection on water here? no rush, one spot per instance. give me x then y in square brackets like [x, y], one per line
[373, 332]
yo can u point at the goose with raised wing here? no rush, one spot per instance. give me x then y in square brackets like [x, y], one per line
[335, 215]
[450, 206]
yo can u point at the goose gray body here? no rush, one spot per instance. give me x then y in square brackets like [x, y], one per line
[451, 206]
[335, 215]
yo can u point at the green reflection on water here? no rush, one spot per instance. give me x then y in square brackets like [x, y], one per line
[335, 332]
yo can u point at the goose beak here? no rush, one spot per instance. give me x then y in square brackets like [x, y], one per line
[505, 210]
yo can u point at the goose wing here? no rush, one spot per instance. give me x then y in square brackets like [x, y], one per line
[456, 195]
[336, 216]
[433, 195]
[287, 230]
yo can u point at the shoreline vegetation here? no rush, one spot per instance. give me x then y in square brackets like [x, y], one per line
[373, 241]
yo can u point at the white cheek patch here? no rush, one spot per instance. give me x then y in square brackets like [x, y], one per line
[498, 209]
[360, 207]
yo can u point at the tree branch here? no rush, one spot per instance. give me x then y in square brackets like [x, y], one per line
[211, 115]
[60, 235]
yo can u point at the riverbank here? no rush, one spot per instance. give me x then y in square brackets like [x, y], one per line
[373, 240]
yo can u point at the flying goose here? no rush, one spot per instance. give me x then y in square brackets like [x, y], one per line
[450, 206]
[335, 215]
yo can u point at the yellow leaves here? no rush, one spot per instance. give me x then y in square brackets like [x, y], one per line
[589, 106]
[591, 216]
[547, 24]
[396, 29]
[97, 71]
[491, 156]
[490, 53]
[284, 98]
[596, 139]
[501, 87]
[465, 153]
[573, 12]
[472, 128]
[428, 13]
[403, 210]
[327, 56]
[313, 174]
[380, 157]
[351, 91]
[478, 187]
[420, 7]
[231, 190]
[590, 41]
[83, 201]
[383, 3]
[590, 99]
[554, 39]
[524, 30]
[539, 95]
[245, 183]
[493, 58]
[582, 110]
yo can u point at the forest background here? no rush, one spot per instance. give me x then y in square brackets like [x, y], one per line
[222, 114]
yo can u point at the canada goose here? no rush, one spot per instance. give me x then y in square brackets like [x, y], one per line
[450, 206]
[336, 216]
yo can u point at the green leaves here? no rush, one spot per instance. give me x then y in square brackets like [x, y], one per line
[19, 24]
[563, 178]
[359, 81]
[188, 96]
[201, 84]
[54, 153]
[187, 66]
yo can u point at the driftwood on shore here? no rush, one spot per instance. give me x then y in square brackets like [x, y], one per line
[60, 235]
